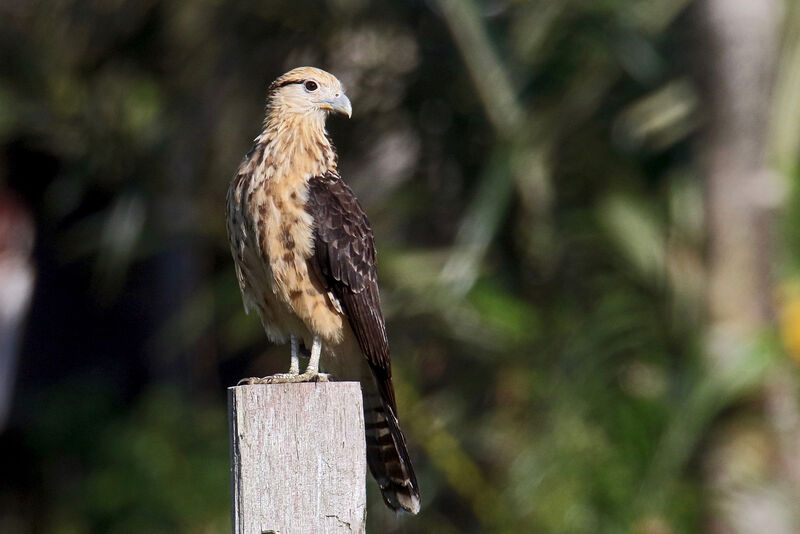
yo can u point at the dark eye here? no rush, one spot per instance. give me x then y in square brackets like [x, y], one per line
[311, 86]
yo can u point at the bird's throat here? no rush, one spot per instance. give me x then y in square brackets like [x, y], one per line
[299, 142]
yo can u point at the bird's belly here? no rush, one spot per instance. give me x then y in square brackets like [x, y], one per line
[289, 298]
[259, 294]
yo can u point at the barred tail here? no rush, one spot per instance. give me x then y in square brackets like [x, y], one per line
[387, 454]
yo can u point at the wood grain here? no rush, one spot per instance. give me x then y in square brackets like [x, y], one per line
[298, 459]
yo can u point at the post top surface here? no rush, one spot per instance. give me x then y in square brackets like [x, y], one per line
[345, 384]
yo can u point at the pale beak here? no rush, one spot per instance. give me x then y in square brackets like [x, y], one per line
[341, 104]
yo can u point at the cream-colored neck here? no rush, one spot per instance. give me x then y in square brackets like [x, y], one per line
[297, 143]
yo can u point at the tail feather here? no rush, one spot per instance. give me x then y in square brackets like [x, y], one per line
[387, 453]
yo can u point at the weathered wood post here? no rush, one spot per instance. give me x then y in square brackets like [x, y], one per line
[298, 458]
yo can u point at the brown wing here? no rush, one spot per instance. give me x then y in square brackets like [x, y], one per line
[344, 260]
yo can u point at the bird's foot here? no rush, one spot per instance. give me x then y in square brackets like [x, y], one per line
[272, 379]
[286, 378]
[314, 377]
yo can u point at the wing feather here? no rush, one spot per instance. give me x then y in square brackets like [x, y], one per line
[345, 261]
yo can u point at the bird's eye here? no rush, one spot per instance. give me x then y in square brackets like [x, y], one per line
[311, 86]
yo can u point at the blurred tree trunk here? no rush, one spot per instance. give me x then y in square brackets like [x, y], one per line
[749, 467]
[742, 48]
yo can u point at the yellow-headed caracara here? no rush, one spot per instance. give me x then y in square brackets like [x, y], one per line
[305, 261]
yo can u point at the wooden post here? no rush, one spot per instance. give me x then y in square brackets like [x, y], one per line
[298, 458]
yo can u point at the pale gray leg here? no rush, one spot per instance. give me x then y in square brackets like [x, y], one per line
[294, 367]
[313, 363]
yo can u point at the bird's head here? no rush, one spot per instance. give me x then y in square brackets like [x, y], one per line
[308, 91]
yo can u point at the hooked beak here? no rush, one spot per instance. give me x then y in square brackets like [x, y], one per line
[340, 104]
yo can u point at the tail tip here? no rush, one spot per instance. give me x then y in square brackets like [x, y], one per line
[410, 506]
[402, 502]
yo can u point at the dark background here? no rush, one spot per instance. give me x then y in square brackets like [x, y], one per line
[586, 223]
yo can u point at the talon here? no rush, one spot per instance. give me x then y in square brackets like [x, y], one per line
[313, 376]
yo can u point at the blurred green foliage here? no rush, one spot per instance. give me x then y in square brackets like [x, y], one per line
[158, 466]
[529, 172]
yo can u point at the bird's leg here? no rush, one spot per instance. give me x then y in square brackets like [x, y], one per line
[294, 367]
[311, 373]
[313, 362]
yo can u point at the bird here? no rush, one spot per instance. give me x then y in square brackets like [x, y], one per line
[304, 256]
